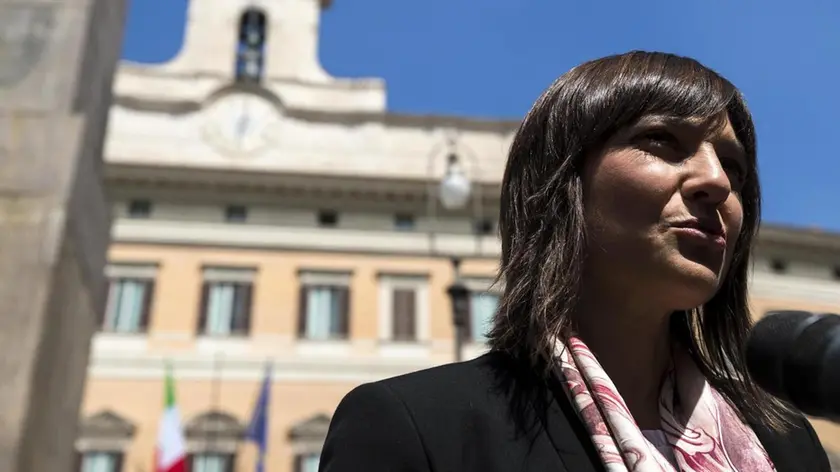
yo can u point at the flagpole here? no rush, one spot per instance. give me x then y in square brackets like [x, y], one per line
[257, 431]
[269, 379]
[215, 391]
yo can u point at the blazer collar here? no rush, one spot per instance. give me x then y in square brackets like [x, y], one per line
[567, 433]
[540, 406]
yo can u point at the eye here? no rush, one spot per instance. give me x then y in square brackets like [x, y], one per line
[736, 172]
[658, 138]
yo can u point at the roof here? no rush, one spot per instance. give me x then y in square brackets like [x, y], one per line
[214, 424]
[107, 424]
[790, 235]
[312, 428]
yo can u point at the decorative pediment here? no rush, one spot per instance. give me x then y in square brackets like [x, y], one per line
[106, 425]
[834, 460]
[312, 429]
[214, 424]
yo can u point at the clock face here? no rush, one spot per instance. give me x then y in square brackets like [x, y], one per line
[240, 124]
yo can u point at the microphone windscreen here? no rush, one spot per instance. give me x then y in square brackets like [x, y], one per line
[795, 356]
[769, 342]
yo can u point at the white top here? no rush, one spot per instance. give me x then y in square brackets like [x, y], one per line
[658, 439]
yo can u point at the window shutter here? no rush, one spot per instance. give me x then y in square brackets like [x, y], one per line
[404, 316]
[109, 301]
[242, 308]
[231, 463]
[466, 333]
[302, 311]
[118, 461]
[148, 296]
[202, 307]
[343, 294]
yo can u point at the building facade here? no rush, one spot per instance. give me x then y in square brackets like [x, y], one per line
[267, 214]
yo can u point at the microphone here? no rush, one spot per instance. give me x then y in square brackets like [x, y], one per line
[795, 356]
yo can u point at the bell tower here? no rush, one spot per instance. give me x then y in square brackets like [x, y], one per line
[252, 40]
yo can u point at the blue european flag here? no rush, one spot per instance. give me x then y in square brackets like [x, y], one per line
[258, 429]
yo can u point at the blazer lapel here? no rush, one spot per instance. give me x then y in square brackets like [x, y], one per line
[540, 407]
[567, 433]
[795, 450]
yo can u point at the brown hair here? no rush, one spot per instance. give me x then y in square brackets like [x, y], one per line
[542, 224]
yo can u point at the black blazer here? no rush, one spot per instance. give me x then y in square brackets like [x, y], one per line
[490, 415]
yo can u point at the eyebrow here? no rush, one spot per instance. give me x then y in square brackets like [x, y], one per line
[669, 120]
[733, 145]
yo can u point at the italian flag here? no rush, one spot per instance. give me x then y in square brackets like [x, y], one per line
[171, 454]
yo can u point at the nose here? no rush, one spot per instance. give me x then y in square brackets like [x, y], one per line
[706, 180]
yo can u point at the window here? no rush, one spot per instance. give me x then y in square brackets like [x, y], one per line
[236, 214]
[250, 48]
[327, 218]
[307, 438]
[778, 266]
[324, 309]
[103, 439]
[226, 302]
[403, 308]
[404, 222]
[101, 461]
[139, 209]
[210, 462]
[307, 462]
[130, 293]
[484, 303]
[212, 441]
[484, 226]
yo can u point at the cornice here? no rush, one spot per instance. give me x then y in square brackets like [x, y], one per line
[782, 235]
[393, 119]
[333, 240]
[183, 179]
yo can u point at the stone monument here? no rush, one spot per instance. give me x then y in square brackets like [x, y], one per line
[57, 61]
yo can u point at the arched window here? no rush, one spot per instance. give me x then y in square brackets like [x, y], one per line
[307, 438]
[212, 442]
[250, 47]
[103, 440]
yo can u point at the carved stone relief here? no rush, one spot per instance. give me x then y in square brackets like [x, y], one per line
[25, 30]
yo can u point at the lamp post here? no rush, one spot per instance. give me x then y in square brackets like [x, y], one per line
[459, 296]
[454, 191]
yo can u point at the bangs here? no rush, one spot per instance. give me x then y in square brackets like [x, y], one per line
[672, 86]
[617, 91]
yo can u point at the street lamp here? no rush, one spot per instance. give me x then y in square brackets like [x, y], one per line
[454, 193]
[459, 296]
[454, 190]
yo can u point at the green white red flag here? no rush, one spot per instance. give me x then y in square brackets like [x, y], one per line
[171, 453]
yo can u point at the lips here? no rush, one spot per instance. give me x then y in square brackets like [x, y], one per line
[709, 226]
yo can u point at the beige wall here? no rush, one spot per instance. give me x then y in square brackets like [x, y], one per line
[274, 317]
[141, 402]
[172, 328]
[275, 302]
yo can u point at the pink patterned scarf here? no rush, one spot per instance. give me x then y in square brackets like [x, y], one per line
[709, 437]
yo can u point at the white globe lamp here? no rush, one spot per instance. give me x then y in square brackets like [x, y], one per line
[455, 187]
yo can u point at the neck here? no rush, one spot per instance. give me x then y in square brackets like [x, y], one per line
[632, 343]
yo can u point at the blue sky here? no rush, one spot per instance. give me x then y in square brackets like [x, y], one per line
[492, 58]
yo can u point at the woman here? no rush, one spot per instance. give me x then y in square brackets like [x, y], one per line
[629, 205]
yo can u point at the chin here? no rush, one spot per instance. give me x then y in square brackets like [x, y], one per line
[693, 285]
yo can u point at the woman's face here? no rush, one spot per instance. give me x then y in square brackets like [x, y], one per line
[663, 209]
